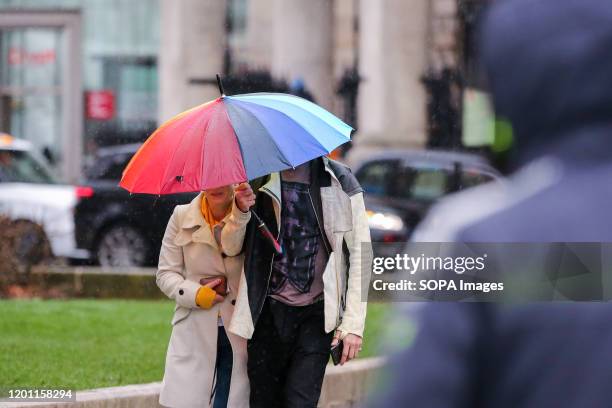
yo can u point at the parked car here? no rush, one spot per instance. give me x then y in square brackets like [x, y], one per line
[118, 228]
[32, 197]
[402, 184]
[121, 229]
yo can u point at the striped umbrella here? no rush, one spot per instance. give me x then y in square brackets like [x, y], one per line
[232, 139]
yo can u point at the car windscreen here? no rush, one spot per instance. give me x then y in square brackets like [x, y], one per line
[422, 183]
[433, 182]
[18, 166]
[376, 177]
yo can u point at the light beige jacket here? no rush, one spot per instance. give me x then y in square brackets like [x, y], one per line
[189, 252]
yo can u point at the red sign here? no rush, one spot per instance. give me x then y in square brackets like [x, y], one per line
[100, 105]
[20, 56]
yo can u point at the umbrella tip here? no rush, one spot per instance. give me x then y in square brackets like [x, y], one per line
[220, 83]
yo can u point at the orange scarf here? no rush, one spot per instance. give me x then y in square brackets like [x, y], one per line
[208, 215]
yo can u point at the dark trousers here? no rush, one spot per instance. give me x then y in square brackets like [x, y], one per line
[225, 360]
[287, 356]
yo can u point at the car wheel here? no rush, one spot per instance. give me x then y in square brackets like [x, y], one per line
[122, 245]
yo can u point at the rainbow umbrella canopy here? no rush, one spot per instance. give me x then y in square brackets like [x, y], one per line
[232, 139]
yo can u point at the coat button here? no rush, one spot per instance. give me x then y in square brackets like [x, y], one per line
[233, 302]
[181, 291]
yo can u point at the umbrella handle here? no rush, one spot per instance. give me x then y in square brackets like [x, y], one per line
[265, 231]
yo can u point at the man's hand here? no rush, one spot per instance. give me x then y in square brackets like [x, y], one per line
[351, 346]
[245, 198]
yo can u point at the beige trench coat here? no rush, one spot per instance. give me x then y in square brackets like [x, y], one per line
[190, 252]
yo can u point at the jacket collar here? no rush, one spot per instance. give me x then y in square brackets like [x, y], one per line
[193, 216]
[273, 186]
[193, 225]
[328, 168]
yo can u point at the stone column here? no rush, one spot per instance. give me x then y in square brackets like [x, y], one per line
[392, 60]
[345, 39]
[303, 45]
[260, 30]
[192, 45]
[345, 48]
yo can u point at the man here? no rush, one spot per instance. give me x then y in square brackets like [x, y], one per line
[294, 307]
[549, 65]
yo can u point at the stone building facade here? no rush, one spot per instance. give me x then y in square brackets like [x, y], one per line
[391, 44]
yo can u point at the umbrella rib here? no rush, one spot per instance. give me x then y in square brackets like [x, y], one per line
[183, 137]
[229, 120]
[204, 139]
[297, 124]
[204, 142]
[308, 113]
[167, 123]
[292, 100]
[284, 158]
[163, 179]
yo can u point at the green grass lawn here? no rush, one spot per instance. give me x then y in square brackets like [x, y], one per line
[81, 344]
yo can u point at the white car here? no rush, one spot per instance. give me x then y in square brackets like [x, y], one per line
[28, 192]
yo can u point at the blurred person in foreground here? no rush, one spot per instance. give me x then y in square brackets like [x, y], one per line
[200, 264]
[549, 64]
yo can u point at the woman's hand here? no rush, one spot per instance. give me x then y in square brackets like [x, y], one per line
[245, 198]
[207, 297]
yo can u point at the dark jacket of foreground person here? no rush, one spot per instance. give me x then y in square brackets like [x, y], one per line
[550, 69]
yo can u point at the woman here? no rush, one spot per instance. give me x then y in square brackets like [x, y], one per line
[202, 241]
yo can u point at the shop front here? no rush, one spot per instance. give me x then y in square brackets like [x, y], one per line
[40, 84]
[78, 74]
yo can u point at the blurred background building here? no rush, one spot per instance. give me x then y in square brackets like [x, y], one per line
[79, 74]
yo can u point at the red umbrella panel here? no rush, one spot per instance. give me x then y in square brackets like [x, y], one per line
[206, 154]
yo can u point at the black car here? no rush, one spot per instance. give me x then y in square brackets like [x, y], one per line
[401, 185]
[119, 228]
[123, 229]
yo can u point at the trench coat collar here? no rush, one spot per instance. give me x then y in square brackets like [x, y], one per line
[194, 227]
